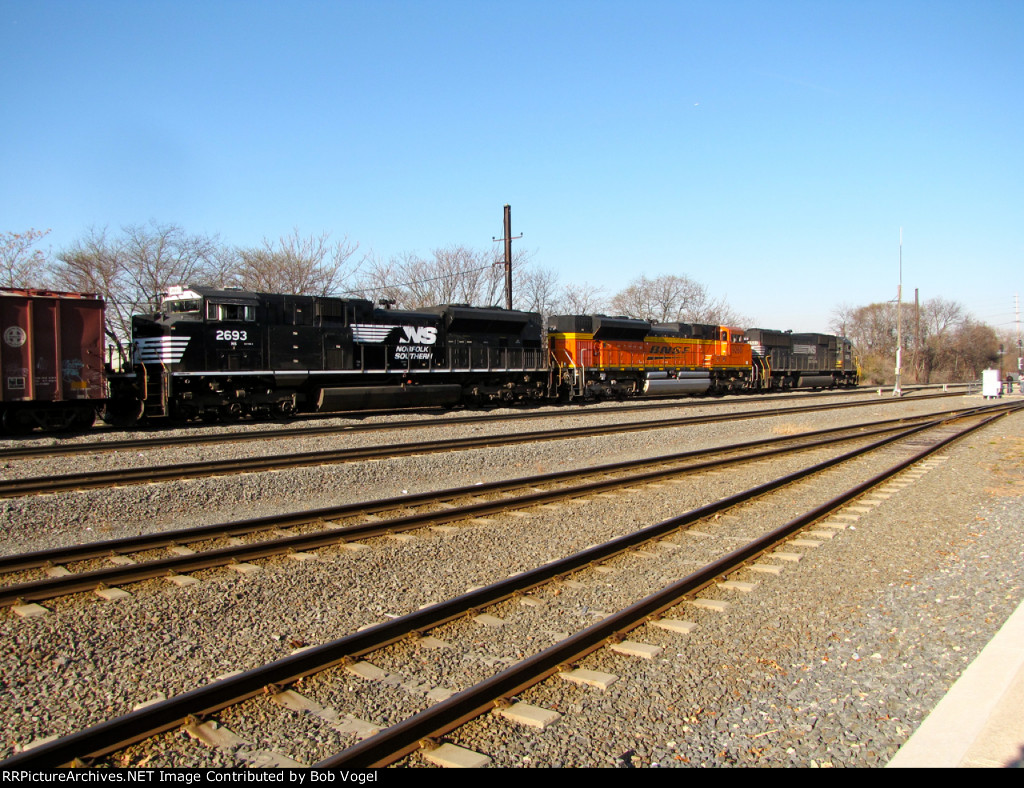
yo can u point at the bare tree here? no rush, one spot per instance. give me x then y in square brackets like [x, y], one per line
[297, 265]
[670, 298]
[949, 344]
[702, 308]
[581, 299]
[94, 265]
[423, 282]
[156, 256]
[973, 347]
[451, 275]
[842, 319]
[221, 270]
[379, 281]
[132, 270]
[939, 319]
[20, 264]
[634, 300]
[872, 328]
[538, 291]
[941, 314]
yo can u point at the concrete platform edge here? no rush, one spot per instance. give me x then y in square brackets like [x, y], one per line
[958, 731]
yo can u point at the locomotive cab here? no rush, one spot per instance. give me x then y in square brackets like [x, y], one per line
[184, 355]
[711, 358]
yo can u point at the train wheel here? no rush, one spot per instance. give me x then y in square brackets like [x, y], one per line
[233, 411]
[84, 419]
[16, 423]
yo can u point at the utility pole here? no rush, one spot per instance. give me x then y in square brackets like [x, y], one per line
[896, 390]
[508, 239]
[1020, 349]
[917, 335]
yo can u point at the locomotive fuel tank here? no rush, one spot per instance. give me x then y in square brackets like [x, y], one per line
[660, 384]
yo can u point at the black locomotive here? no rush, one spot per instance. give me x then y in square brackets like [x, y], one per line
[222, 354]
[798, 361]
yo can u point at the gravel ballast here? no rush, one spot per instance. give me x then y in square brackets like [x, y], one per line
[832, 663]
[40, 522]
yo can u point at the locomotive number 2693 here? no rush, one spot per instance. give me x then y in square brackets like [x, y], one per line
[232, 336]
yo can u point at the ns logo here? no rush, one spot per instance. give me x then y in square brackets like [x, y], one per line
[418, 335]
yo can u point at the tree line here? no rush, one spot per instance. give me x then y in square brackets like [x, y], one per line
[130, 268]
[940, 341]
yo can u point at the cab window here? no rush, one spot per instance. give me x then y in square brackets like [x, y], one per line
[188, 306]
[233, 312]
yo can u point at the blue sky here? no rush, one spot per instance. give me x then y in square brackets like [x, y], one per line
[771, 150]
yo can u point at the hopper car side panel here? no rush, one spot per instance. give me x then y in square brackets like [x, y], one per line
[51, 359]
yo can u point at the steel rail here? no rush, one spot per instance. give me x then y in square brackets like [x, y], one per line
[50, 588]
[39, 590]
[405, 737]
[112, 735]
[78, 481]
[134, 544]
[97, 579]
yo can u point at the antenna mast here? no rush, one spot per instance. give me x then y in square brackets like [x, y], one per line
[1020, 349]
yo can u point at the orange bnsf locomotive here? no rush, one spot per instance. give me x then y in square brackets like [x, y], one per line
[225, 354]
[597, 357]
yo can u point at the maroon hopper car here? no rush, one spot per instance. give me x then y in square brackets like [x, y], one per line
[51, 359]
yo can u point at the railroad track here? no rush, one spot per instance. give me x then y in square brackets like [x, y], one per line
[363, 520]
[276, 679]
[218, 435]
[150, 474]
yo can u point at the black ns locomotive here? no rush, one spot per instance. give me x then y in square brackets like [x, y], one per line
[222, 354]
